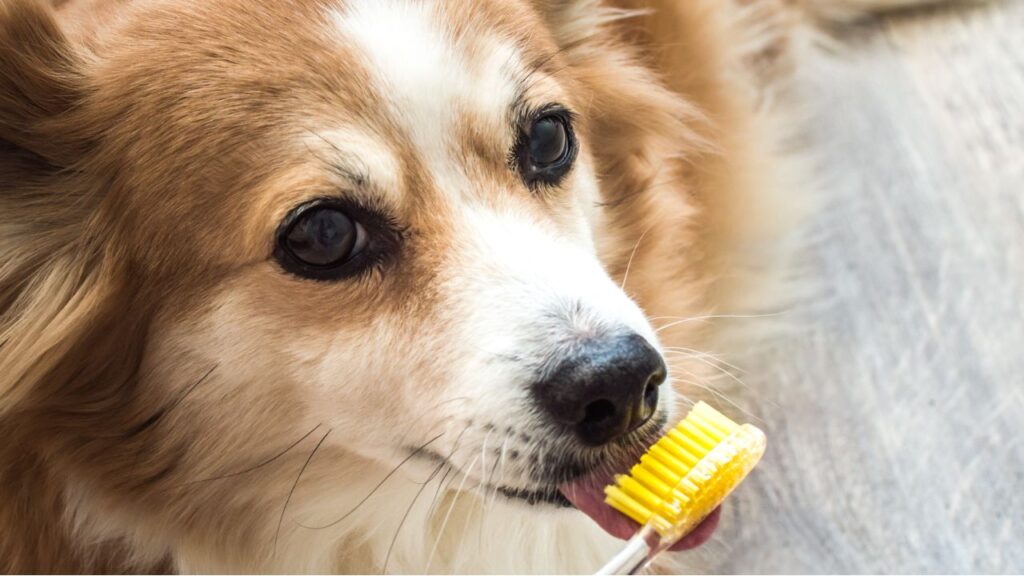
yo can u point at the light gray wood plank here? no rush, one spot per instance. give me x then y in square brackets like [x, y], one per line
[896, 413]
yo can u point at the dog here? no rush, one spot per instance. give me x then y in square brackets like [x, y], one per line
[371, 285]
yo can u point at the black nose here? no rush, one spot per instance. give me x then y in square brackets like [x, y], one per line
[605, 389]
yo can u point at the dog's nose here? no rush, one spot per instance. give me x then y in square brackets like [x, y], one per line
[605, 389]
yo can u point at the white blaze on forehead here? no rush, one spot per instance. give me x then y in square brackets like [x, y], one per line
[428, 81]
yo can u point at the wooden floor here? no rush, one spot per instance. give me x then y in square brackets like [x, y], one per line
[896, 416]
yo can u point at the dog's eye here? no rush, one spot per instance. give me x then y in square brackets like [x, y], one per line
[547, 148]
[549, 141]
[321, 241]
[324, 237]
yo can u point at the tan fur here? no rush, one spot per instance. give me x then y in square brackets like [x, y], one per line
[148, 151]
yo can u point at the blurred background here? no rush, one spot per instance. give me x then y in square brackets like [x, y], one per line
[896, 412]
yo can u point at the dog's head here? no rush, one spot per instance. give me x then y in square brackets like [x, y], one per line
[381, 230]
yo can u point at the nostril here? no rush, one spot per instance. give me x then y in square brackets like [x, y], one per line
[651, 393]
[654, 382]
[599, 412]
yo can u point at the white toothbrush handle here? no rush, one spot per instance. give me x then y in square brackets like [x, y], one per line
[639, 551]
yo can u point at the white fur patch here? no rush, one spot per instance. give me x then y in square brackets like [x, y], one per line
[428, 80]
[544, 268]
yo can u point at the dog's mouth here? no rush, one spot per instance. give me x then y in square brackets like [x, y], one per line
[587, 494]
[551, 496]
[584, 489]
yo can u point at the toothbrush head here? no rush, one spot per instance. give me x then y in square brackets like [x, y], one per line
[686, 474]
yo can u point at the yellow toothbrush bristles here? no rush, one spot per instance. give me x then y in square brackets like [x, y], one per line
[686, 474]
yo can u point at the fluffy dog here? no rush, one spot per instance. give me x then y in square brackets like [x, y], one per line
[368, 285]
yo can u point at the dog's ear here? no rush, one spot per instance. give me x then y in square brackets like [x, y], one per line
[40, 81]
[575, 22]
[632, 128]
[50, 279]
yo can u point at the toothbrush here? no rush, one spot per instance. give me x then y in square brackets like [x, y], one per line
[681, 479]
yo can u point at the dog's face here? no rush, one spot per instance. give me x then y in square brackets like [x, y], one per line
[376, 232]
[379, 221]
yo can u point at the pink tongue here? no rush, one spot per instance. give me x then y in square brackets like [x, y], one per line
[587, 494]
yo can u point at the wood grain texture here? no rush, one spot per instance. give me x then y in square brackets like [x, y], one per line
[896, 413]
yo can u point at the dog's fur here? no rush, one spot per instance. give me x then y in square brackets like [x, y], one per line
[171, 399]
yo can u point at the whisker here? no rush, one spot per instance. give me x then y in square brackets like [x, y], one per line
[494, 486]
[191, 388]
[712, 317]
[455, 448]
[437, 493]
[483, 452]
[162, 413]
[488, 484]
[387, 556]
[719, 316]
[410, 427]
[716, 367]
[721, 397]
[257, 466]
[632, 254]
[277, 533]
[504, 447]
[478, 503]
[705, 354]
[690, 402]
[377, 487]
[447, 516]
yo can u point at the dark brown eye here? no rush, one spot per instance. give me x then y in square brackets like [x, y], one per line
[323, 237]
[320, 241]
[549, 141]
[547, 148]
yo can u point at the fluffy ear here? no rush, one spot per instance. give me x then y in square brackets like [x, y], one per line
[576, 21]
[40, 80]
[46, 281]
[595, 38]
[640, 135]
